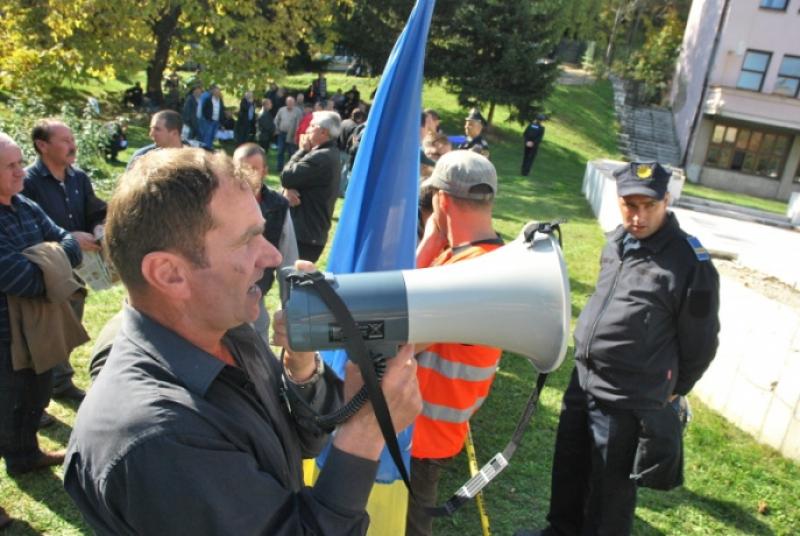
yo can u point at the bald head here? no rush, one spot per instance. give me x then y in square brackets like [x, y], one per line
[6, 140]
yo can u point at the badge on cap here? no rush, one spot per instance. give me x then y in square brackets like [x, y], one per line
[644, 171]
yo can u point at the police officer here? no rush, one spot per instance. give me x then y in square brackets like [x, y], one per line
[473, 128]
[532, 136]
[645, 337]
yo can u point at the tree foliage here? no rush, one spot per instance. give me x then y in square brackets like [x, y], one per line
[486, 51]
[45, 43]
[497, 52]
[90, 133]
[654, 63]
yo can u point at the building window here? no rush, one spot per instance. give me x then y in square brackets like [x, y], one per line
[788, 82]
[756, 152]
[774, 4]
[753, 68]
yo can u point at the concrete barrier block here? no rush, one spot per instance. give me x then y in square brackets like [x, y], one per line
[747, 406]
[793, 209]
[715, 385]
[788, 388]
[791, 443]
[776, 424]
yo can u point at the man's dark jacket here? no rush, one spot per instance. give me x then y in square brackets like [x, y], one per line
[73, 206]
[315, 175]
[208, 108]
[650, 328]
[246, 127]
[189, 115]
[170, 440]
[266, 127]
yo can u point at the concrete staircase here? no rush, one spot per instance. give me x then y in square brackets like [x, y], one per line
[645, 133]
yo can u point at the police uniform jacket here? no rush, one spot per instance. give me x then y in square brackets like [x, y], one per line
[476, 144]
[650, 328]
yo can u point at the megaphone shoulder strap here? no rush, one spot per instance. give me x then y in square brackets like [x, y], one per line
[498, 462]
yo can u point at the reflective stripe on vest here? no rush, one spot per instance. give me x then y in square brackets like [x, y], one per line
[454, 380]
[455, 370]
[447, 414]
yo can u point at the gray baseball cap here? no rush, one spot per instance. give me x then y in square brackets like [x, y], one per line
[457, 172]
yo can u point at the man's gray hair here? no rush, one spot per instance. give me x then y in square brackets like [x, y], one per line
[330, 121]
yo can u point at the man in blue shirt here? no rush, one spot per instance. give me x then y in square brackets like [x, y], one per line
[66, 195]
[23, 393]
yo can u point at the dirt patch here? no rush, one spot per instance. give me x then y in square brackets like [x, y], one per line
[766, 285]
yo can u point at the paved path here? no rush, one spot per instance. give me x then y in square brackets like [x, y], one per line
[769, 250]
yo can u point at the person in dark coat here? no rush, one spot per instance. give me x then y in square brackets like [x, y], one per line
[190, 114]
[245, 129]
[67, 196]
[474, 124]
[532, 136]
[311, 183]
[266, 126]
[642, 341]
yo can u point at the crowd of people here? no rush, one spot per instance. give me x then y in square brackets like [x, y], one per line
[202, 439]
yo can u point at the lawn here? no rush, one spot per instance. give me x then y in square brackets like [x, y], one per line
[727, 474]
[742, 200]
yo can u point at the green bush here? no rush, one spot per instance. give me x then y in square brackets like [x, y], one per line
[90, 133]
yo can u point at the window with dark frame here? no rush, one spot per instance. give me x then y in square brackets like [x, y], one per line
[788, 81]
[754, 67]
[773, 4]
[756, 152]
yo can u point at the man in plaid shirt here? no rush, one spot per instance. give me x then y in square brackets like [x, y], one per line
[23, 393]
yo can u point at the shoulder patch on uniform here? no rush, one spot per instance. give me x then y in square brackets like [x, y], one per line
[700, 252]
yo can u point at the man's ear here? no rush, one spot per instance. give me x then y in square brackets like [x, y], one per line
[444, 201]
[166, 272]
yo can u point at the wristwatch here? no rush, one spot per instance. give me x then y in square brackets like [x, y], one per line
[311, 379]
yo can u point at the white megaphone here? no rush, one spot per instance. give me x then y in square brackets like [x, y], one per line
[515, 297]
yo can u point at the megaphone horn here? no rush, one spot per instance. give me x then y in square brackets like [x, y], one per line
[515, 297]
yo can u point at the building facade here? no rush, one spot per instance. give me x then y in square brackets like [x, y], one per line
[736, 96]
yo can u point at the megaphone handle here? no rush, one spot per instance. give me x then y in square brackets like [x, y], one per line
[332, 420]
[359, 353]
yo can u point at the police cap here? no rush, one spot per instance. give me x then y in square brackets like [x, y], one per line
[642, 178]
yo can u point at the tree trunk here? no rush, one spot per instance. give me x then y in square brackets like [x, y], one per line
[634, 27]
[491, 113]
[610, 50]
[163, 30]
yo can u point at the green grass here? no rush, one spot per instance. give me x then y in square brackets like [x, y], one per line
[742, 200]
[727, 473]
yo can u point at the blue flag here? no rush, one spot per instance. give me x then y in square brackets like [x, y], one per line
[377, 228]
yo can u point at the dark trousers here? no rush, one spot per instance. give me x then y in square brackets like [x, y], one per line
[23, 397]
[425, 475]
[285, 145]
[309, 252]
[63, 372]
[592, 493]
[528, 157]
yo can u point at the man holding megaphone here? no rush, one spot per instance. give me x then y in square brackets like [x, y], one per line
[186, 430]
[454, 379]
